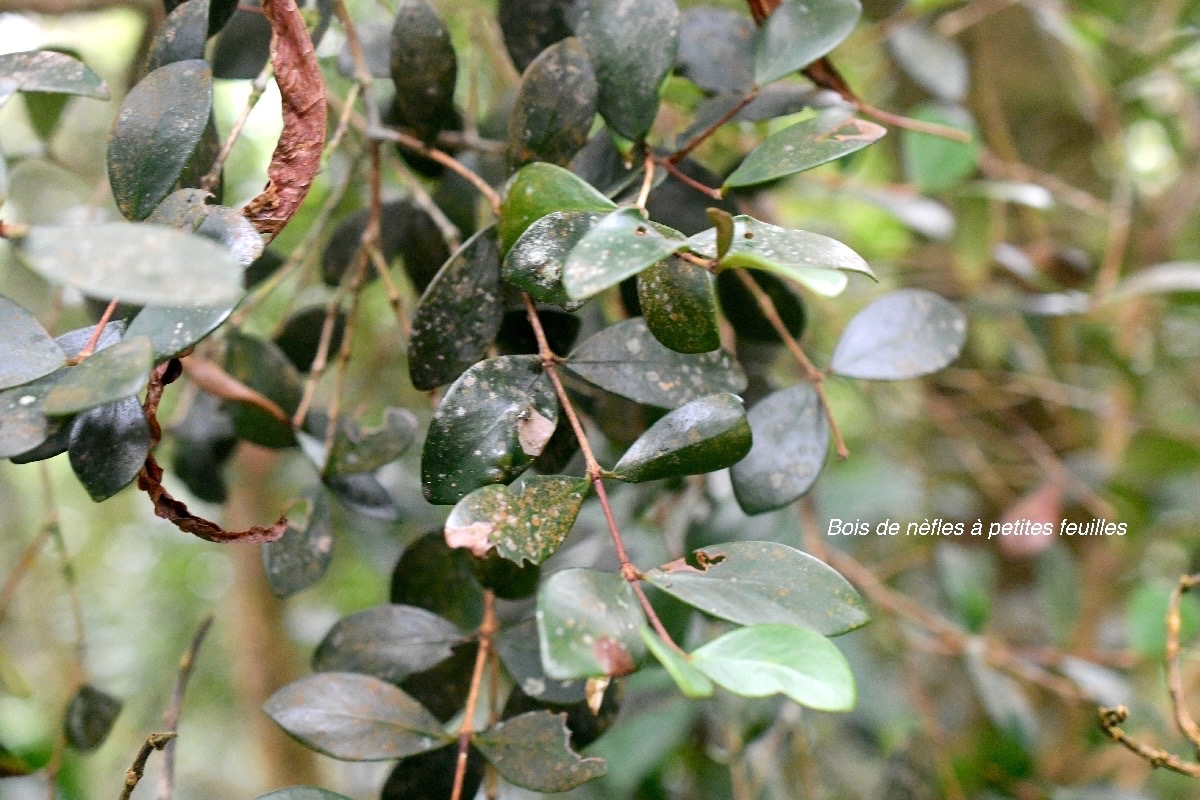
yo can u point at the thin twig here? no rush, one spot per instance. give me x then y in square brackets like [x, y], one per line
[410, 142]
[90, 347]
[487, 630]
[24, 563]
[703, 136]
[647, 180]
[166, 780]
[213, 177]
[394, 296]
[1183, 718]
[155, 741]
[689, 181]
[595, 473]
[814, 375]
[1110, 718]
[915, 125]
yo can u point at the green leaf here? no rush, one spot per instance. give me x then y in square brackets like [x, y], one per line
[50, 71]
[356, 450]
[935, 163]
[91, 715]
[764, 582]
[632, 44]
[622, 244]
[968, 577]
[744, 315]
[705, 435]
[903, 334]
[521, 655]
[529, 526]
[29, 352]
[535, 262]
[538, 189]
[533, 751]
[182, 37]
[430, 776]
[300, 557]
[934, 61]
[691, 681]
[111, 374]
[791, 439]
[302, 793]
[798, 33]
[716, 49]
[108, 446]
[157, 129]
[424, 67]
[263, 367]
[45, 112]
[679, 303]
[354, 717]
[803, 146]
[530, 26]
[816, 261]
[174, 329]
[626, 359]
[489, 426]
[554, 108]
[459, 314]
[390, 642]
[23, 424]
[431, 575]
[762, 660]
[588, 623]
[139, 264]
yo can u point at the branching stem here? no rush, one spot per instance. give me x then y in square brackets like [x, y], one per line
[487, 630]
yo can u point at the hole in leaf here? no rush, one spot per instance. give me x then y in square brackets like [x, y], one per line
[748, 235]
[702, 560]
[640, 230]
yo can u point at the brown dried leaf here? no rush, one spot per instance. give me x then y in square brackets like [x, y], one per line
[211, 378]
[297, 157]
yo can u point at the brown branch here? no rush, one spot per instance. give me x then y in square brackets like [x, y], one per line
[647, 180]
[213, 177]
[166, 780]
[703, 135]
[24, 563]
[1110, 718]
[688, 180]
[1183, 718]
[155, 741]
[814, 375]
[595, 473]
[487, 630]
[410, 142]
[92, 341]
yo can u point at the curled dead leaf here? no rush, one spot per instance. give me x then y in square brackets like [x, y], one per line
[211, 378]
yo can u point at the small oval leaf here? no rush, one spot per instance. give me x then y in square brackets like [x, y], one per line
[539, 189]
[622, 244]
[108, 446]
[801, 147]
[533, 751]
[423, 67]
[29, 352]
[588, 623]
[299, 558]
[390, 642]
[529, 526]
[50, 71]
[791, 440]
[157, 129]
[799, 32]
[903, 334]
[679, 302]
[91, 715]
[106, 376]
[554, 108]
[535, 262]
[703, 436]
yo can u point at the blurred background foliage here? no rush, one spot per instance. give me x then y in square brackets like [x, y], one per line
[1078, 397]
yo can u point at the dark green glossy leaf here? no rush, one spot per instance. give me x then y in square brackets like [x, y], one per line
[300, 339]
[424, 67]
[243, 48]
[803, 146]
[799, 32]
[430, 776]
[363, 494]
[263, 367]
[934, 61]
[583, 724]
[108, 446]
[816, 261]
[490, 425]
[182, 36]
[111, 374]
[300, 557]
[679, 303]
[535, 262]
[140, 264]
[459, 314]
[703, 436]
[522, 657]
[29, 352]
[532, 751]
[526, 526]
[431, 575]
[444, 688]
[354, 717]
[632, 44]
[530, 26]
[174, 329]
[508, 579]
[691, 681]
[539, 189]
[157, 129]
[743, 313]
[23, 424]
[302, 793]
[626, 359]
[901, 335]
[230, 228]
[50, 71]
[588, 623]
[390, 642]
[758, 582]
[762, 660]
[553, 112]
[716, 49]
[622, 244]
[935, 163]
[44, 111]
[358, 450]
[91, 715]
[791, 439]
